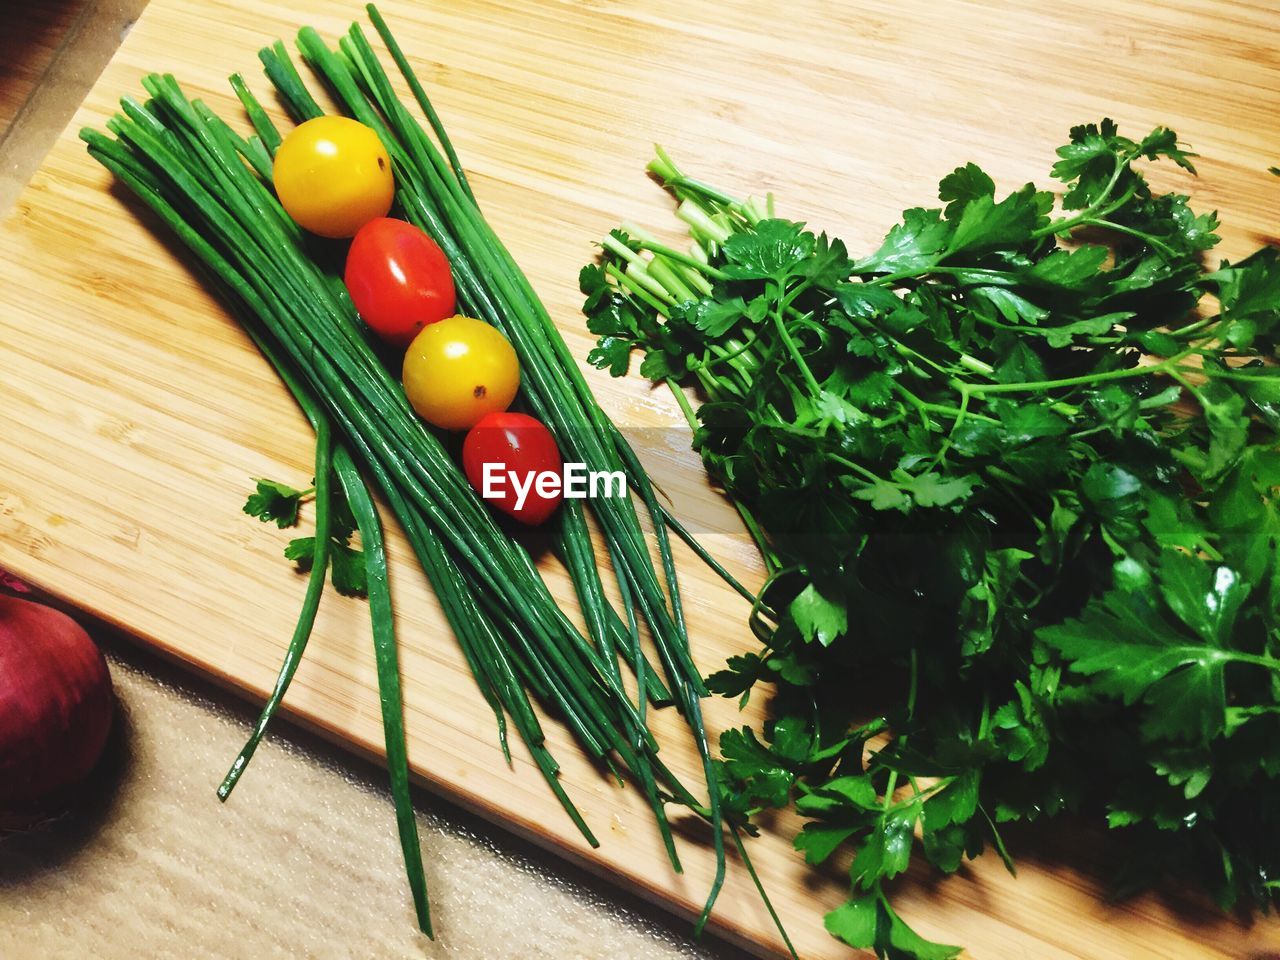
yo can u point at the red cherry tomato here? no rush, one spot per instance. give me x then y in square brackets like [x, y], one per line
[399, 279]
[520, 459]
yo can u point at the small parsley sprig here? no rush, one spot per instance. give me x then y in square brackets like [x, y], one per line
[279, 503]
[1014, 478]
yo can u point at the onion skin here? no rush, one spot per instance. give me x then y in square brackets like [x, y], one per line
[56, 705]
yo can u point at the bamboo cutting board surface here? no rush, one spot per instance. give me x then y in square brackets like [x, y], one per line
[132, 409]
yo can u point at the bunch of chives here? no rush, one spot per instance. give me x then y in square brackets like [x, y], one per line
[211, 186]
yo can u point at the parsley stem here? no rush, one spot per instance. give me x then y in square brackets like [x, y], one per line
[1154, 242]
[1060, 226]
[690, 274]
[921, 407]
[1192, 328]
[976, 365]
[1244, 376]
[638, 271]
[961, 415]
[890, 788]
[1257, 660]
[683, 402]
[948, 410]
[1189, 387]
[785, 336]
[635, 287]
[616, 246]
[793, 294]
[999, 842]
[965, 359]
[638, 289]
[660, 270]
[916, 273]
[913, 685]
[701, 223]
[684, 187]
[1013, 490]
[733, 354]
[1038, 386]
[1002, 474]
[681, 258]
[868, 475]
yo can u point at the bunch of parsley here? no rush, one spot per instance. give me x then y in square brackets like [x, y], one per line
[1014, 477]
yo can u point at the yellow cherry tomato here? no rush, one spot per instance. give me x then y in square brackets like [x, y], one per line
[333, 176]
[459, 369]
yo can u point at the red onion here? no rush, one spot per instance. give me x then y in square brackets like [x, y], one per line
[56, 704]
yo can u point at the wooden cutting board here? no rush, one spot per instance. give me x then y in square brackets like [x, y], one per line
[133, 411]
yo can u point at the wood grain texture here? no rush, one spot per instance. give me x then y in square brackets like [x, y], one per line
[134, 410]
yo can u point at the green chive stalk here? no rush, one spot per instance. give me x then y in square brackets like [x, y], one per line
[435, 194]
[212, 187]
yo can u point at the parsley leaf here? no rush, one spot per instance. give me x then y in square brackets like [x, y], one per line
[818, 617]
[275, 502]
[962, 186]
[346, 564]
[772, 251]
[1130, 650]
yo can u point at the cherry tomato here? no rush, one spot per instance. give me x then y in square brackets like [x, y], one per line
[459, 369]
[398, 279]
[523, 463]
[333, 176]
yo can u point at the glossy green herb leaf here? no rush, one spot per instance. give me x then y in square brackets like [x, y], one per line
[274, 502]
[1014, 476]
